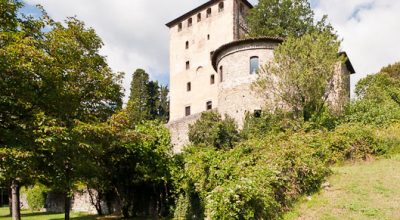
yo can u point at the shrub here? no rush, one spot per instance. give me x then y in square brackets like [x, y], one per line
[212, 130]
[36, 197]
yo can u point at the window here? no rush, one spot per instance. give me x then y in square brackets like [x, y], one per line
[254, 64]
[221, 7]
[209, 105]
[198, 17]
[187, 110]
[221, 73]
[188, 86]
[187, 45]
[241, 9]
[189, 22]
[208, 37]
[187, 65]
[211, 53]
[179, 26]
[212, 79]
[208, 12]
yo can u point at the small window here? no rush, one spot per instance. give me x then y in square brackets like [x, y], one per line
[211, 53]
[221, 7]
[221, 73]
[198, 17]
[190, 22]
[208, 13]
[254, 64]
[187, 110]
[189, 87]
[187, 65]
[257, 113]
[179, 26]
[212, 79]
[209, 105]
[187, 45]
[208, 37]
[241, 9]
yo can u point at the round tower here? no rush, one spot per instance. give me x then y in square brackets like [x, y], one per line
[237, 64]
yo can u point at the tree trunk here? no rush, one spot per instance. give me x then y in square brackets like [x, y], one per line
[16, 210]
[67, 206]
[10, 199]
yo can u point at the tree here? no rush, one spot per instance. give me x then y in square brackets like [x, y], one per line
[77, 86]
[300, 75]
[283, 18]
[20, 79]
[378, 100]
[211, 130]
[148, 100]
[138, 103]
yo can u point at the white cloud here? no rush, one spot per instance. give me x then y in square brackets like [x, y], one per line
[370, 30]
[135, 35]
[133, 31]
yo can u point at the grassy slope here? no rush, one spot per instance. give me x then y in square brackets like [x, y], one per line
[368, 190]
[4, 211]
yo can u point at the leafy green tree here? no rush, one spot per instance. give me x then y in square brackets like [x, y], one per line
[378, 100]
[21, 65]
[138, 103]
[163, 108]
[212, 130]
[301, 73]
[283, 18]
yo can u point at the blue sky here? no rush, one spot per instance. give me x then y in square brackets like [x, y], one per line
[135, 35]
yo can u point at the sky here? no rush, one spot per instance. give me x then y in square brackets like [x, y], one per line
[135, 35]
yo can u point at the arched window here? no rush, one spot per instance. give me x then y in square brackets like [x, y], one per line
[241, 9]
[190, 22]
[208, 12]
[187, 65]
[221, 73]
[254, 64]
[187, 45]
[212, 79]
[220, 6]
[209, 105]
[208, 37]
[179, 26]
[189, 87]
[198, 17]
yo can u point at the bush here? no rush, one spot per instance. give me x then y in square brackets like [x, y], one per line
[36, 197]
[257, 179]
[211, 130]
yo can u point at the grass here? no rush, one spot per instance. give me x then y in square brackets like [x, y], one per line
[4, 215]
[366, 190]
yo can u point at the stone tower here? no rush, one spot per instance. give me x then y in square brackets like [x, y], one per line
[194, 37]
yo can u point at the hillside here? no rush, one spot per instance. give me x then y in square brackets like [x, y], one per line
[367, 190]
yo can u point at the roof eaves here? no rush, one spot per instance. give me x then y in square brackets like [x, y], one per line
[199, 8]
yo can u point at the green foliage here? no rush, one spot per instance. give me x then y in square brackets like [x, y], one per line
[300, 74]
[378, 98]
[257, 179]
[36, 197]
[283, 18]
[212, 130]
[147, 100]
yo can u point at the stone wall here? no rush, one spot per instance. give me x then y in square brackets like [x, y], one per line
[179, 130]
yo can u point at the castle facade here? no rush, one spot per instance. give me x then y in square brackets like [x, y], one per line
[212, 66]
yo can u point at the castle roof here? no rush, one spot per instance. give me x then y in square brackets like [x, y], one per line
[199, 8]
[246, 41]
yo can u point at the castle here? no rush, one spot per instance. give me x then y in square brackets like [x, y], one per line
[212, 66]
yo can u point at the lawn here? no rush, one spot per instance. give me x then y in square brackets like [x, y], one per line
[367, 190]
[4, 211]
